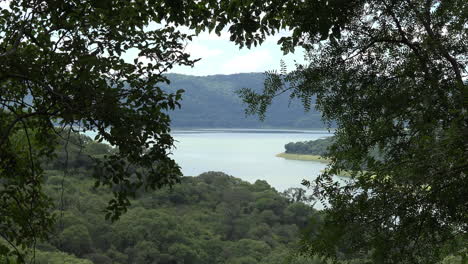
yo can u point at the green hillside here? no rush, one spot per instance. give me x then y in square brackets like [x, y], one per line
[212, 218]
[210, 101]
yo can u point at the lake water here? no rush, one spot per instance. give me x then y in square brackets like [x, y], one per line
[246, 154]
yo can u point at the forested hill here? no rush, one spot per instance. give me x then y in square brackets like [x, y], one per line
[210, 101]
[212, 218]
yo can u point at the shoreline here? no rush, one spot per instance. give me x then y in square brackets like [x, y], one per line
[303, 157]
[313, 158]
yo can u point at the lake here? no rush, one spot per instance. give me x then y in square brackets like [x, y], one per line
[248, 154]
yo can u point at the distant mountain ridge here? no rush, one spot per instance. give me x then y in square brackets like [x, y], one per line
[210, 101]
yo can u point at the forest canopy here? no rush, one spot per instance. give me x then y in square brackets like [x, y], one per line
[210, 218]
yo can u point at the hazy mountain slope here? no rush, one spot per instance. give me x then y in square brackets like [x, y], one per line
[210, 101]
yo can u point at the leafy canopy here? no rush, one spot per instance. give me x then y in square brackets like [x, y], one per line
[62, 70]
[392, 76]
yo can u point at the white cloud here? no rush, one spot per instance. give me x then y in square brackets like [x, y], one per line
[253, 61]
[221, 56]
[5, 4]
[199, 51]
[274, 39]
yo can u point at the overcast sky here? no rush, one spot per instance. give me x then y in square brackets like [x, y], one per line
[220, 56]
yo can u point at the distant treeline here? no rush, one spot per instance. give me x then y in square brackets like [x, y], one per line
[211, 102]
[313, 147]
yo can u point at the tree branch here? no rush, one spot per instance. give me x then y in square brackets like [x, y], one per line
[15, 45]
[20, 118]
[427, 26]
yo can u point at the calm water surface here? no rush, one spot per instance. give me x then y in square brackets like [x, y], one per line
[246, 154]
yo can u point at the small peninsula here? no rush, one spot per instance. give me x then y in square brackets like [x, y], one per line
[312, 150]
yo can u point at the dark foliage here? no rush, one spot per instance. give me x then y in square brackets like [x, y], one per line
[392, 75]
[313, 147]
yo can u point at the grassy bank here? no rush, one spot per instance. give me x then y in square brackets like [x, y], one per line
[304, 157]
[315, 158]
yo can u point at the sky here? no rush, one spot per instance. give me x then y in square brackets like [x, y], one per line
[221, 56]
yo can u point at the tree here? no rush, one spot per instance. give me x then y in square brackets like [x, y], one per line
[392, 76]
[62, 70]
[76, 239]
[295, 195]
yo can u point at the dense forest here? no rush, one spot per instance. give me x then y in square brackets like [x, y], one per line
[212, 218]
[212, 102]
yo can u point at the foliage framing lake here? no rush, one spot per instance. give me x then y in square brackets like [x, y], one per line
[248, 154]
